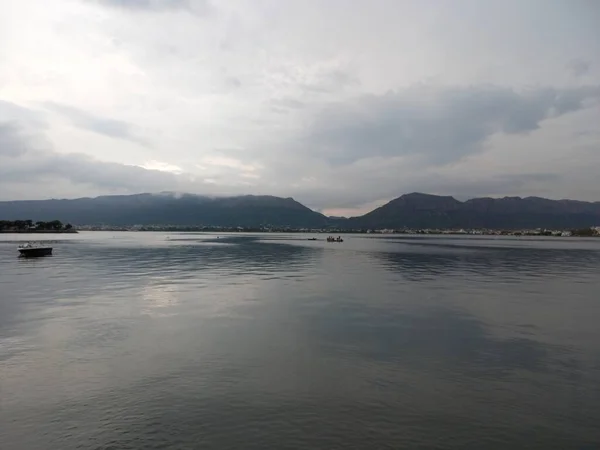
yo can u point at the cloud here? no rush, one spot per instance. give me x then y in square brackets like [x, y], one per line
[579, 67]
[437, 125]
[29, 165]
[162, 166]
[329, 102]
[21, 130]
[112, 128]
[21, 160]
[11, 144]
[226, 162]
[156, 5]
[11, 112]
[285, 105]
[31, 168]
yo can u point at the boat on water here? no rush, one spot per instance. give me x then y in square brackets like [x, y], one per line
[31, 250]
[333, 239]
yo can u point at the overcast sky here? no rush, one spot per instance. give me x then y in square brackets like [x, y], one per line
[341, 104]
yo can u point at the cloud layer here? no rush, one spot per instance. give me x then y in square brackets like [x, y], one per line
[438, 125]
[109, 127]
[341, 106]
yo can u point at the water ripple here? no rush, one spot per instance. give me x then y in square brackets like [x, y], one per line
[174, 340]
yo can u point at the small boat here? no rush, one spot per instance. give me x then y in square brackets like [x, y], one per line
[312, 239]
[30, 250]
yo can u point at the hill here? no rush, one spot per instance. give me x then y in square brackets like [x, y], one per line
[418, 210]
[168, 209]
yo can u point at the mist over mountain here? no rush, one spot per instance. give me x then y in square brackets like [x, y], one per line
[414, 210]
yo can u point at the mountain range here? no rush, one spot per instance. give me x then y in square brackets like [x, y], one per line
[418, 210]
[414, 210]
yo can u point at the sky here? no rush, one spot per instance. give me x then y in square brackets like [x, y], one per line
[342, 105]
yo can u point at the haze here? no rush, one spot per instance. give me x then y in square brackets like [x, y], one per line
[340, 104]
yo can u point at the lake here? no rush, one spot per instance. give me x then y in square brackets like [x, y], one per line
[271, 341]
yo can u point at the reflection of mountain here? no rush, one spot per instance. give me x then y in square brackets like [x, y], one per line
[418, 260]
[231, 256]
[425, 340]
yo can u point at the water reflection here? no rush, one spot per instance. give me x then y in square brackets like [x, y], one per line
[157, 297]
[233, 256]
[429, 339]
[139, 341]
[518, 262]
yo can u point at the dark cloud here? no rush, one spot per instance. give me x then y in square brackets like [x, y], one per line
[11, 144]
[21, 159]
[437, 125]
[82, 169]
[579, 67]
[20, 130]
[11, 112]
[116, 129]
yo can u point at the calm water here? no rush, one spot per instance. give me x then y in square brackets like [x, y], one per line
[183, 341]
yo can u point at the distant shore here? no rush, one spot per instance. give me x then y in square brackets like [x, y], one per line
[71, 231]
[584, 232]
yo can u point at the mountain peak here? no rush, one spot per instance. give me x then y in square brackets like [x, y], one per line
[420, 194]
[418, 210]
[423, 196]
[425, 201]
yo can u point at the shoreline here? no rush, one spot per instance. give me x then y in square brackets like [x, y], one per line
[38, 231]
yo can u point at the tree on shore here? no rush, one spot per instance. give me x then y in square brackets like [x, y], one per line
[584, 232]
[25, 225]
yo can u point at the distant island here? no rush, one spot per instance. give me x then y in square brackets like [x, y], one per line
[28, 226]
[416, 212]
